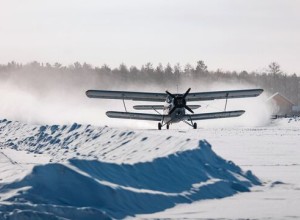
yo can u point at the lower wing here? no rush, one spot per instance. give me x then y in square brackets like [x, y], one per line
[214, 115]
[137, 116]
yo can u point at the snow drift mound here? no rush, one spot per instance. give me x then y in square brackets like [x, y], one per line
[84, 188]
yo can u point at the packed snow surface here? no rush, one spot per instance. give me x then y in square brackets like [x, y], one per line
[85, 172]
[273, 154]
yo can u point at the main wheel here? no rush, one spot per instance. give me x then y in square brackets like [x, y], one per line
[195, 125]
[159, 126]
[168, 126]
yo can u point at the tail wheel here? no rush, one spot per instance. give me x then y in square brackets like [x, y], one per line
[159, 126]
[168, 126]
[195, 125]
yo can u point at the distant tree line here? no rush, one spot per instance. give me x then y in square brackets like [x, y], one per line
[273, 79]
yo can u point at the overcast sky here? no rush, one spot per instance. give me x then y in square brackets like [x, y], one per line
[226, 34]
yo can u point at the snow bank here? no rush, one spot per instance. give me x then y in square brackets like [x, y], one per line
[137, 172]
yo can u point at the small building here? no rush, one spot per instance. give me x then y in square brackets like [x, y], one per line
[296, 109]
[282, 105]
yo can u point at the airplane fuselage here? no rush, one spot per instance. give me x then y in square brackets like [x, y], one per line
[175, 116]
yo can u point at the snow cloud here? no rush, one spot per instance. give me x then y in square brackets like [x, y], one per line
[43, 97]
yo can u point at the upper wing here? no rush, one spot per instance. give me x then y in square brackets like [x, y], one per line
[137, 116]
[136, 96]
[161, 97]
[213, 115]
[205, 96]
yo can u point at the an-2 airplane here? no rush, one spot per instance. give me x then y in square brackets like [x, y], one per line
[175, 105]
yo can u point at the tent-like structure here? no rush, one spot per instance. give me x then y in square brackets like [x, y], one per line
[283, 106]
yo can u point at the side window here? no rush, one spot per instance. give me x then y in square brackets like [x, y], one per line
[169, 99]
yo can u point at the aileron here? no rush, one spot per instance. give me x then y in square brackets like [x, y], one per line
[131, 115]
[214, 115]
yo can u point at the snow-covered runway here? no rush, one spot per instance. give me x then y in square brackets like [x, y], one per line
[86, 172]
[273, 154]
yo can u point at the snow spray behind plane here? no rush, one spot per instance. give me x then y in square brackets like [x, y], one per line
[58, 97]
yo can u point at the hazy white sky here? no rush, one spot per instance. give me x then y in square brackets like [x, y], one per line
[226, 34]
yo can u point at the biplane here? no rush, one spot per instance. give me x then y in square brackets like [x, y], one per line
[175, 106]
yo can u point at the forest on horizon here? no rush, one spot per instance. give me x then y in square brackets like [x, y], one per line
[272, 79]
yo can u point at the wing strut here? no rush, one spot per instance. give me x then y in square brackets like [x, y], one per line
[226, 102]
[156, 110]
[124, 104]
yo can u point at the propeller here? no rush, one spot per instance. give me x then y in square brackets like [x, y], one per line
[179, 101]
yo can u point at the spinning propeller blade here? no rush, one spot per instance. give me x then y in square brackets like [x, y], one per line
[180, 102]
[189, 109]
[186, 93]
[173, 96]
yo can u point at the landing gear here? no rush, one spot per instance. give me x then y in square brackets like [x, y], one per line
[159, 126]
[168, 126]
[195, 125]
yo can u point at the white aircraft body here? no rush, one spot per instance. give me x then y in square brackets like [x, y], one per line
[175, 105]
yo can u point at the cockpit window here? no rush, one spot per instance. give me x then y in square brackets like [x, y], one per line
[169, 99]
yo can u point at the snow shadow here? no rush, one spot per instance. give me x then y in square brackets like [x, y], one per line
[120, 190]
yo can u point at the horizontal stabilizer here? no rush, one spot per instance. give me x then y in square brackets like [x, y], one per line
[214, 115]
[137, 116]
[158, 107]
[148, 107]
